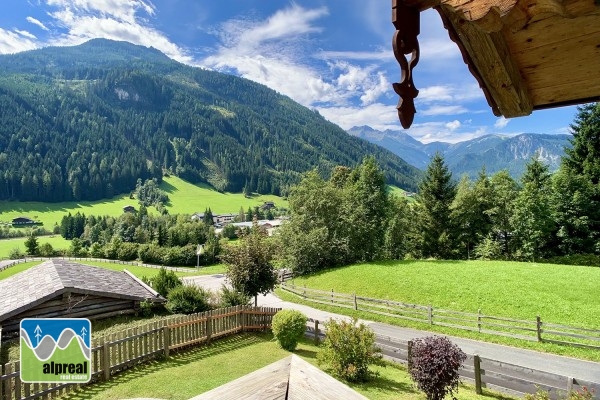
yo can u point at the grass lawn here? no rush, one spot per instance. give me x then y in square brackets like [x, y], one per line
[57, 242]
[196, 371]
[137, 271]
[558, 293]
[184, 198]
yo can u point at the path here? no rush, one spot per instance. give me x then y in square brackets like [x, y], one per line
[586, 370]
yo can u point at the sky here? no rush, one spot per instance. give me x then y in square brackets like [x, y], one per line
[334, 56]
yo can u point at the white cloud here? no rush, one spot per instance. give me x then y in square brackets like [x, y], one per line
[37, 22]
[501, 123]
[377, 115]
[439, 132]
[111, 19]
[14, 42]
[382, 55]
[26, 34]
[453, 125]
[274, 52]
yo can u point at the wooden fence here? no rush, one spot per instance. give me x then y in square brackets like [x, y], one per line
[533, 330]
[114, 353]
[105, 260]
[482, 372]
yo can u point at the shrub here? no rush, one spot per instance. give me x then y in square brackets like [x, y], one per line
[188, 299]
[488, 249]
[288, 328]
[165, 281]
[434, 364]
[231, 297]
[349, 349]
[16, 253]
[582, 394]
[46, 250]
[127, 252]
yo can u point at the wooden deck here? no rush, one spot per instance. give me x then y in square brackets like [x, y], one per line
[291, 378]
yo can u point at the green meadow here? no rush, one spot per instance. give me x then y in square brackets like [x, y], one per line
[564, 294]
[184, 198]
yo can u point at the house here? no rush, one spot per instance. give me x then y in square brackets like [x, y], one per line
[129, 208]
[290, 378]
[22, 221]
[223, 219]
[267, 205]
[197, 217]
[525, 55]
[62, 288]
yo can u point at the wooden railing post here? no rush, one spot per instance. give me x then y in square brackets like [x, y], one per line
[208, 326]
[538, 321]
[409, 354]
[167, 339]
[569, 385]
[479, 320]
[355, 303]
[477, 368]
[317, 332]
[105, 359]
[332, 295]
[430, 312]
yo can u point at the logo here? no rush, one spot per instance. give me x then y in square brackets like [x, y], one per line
[56, 350]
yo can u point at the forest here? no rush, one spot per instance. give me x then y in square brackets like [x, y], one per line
[86, 122]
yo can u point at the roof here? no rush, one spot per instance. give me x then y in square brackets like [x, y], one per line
[290, 378]
[526, 55]
[36, 285]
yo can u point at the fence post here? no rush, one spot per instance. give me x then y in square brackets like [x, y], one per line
[105, 359]
[317, 332]
[304, 291]
[167, 339]
[479, 320]
[430, 310]
[208, 326]
[355, 303]
[332, 295]
[477, 367]
[409, 354]
[569, 385]
[538, 321]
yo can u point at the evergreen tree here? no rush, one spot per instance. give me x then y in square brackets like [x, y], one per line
[532, 217]
[208, 217]
[32, 246]
[436, 194]
[504, 191]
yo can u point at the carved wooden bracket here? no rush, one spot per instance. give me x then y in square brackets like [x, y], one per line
[407, 24]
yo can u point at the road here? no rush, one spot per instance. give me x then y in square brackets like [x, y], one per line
[586, 370]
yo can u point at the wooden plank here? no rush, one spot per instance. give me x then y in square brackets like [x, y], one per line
[8, 370]
[270, 383]
[565, 92]
[574, 335]
[492, 60]
[531, 374]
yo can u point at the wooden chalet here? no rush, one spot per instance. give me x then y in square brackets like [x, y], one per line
[291, 378]
[22, 221]
[61, 288]
[525, 54]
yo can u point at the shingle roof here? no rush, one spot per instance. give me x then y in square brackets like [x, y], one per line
[54, 277]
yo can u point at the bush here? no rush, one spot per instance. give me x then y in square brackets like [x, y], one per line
[349, 350]
[288, 328]
[591, 260]
[165, 281]
[188, 299]
[488, 249]
[127, 252]
[434, 364]
[231, 297]
[46, 250]
[16, 253]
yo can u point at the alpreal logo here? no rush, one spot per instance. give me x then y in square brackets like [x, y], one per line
[56, 350]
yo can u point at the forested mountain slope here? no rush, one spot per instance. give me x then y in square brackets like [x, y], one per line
[86, 122]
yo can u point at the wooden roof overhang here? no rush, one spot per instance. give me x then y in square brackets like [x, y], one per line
[525, 54]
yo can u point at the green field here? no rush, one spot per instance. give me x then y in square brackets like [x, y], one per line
[184, 198]
[558, 293]
[57, 242]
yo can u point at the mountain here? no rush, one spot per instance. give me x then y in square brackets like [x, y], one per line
[495, 152]
[85, 122]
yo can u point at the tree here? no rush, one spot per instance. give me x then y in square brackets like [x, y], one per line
[532, 217]
[249, 264]
[504, 191]
[208, 217]
[583, 158]
[32, 246]
[401, 238]
[436, 194]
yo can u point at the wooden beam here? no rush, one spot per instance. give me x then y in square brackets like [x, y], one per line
[490, 57]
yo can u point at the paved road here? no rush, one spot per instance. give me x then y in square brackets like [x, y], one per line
[586, 370]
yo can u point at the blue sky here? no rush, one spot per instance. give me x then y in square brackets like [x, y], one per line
[331, 55]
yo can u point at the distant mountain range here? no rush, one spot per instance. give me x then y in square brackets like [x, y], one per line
[495, 152]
